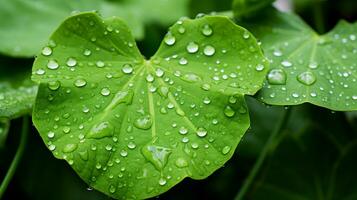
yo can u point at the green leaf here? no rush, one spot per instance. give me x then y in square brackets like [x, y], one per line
[15, 102]
[249, 8]
[306, 67]
[4, 129]
[44, 16]
[133, 128]
[318, 163]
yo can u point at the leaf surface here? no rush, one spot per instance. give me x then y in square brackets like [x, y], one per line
[17, 17]
[307, 67]
[133, 128]
[249, 8]
[4, 129]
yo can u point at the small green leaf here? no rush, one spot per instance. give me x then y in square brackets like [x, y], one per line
[249, 8]
[4, 129]
[133, 128]
[307, 67]
[44, 16]
[15, 102]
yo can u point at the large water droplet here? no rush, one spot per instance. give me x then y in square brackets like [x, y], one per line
[101, 130]
[80, 82]
[105, 91]
[209, 50]
[181, 162]
[228, 111]
[54, 85]
[156, 155]
[277, 77]
[144, 122]
[69, 148]
[192, 47]
[162, 181]
[207, 30]
[201, 132]
[71, 62]
[127, 69]
[52, 64]
[169, 39]
[306, 78]
[46, 51]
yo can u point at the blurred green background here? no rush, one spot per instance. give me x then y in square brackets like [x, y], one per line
[314, 158]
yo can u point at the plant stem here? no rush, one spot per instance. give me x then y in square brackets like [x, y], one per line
[253, 173]
[319, 17]
[15, 162]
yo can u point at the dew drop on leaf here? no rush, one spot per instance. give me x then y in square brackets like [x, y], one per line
[181, 162]
[207, 30]
[105, 91]
[46, 51]
[100, 63]
[286, 63]
[69, 148]
[201, 132]
[127, 69]
[156, 155]
[209, 50]
[101, 130]
[306, 78]
[192, 47]
[228, 111]
[169, 39]
[277, 77]
[87, 52]
[54, 85]
[80, 83]
[144, 122]
[226, 150]
[52, 64]
[71, 62]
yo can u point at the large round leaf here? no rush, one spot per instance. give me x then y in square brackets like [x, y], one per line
[133, 128]
[307, 67]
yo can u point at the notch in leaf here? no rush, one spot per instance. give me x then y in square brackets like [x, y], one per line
[133, 128]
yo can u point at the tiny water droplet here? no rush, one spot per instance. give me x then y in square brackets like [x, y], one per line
[80, 83]
[54, 85]
[228, 111]
[46, 51]
[286, 63]
[105, 91]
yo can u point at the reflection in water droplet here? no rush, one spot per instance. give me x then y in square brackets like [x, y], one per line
[101, 130]
[207, 30]
[169, 39]
[192, 47]
[306, 78]
[229, 112]
[156, 155]
[209, 50]
[144, 122]
[277, 77]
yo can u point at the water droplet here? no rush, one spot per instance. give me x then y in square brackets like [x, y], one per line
[209, 50]
[131, 145]
[277, 53]
[71, 62]
[286, 63]
[246, 35]
[101, 130]
[183, 131]
[259, 67]
[87, 52]
[201, 132]
[46, 51]
[50, 134]
[100, 63]
[159, 72]
[183, 61]
[69, 148]
[207, 30]
[127, 69]
[162, 181]
[191, 77]
[150, 78]
[228, 111]
[313, 65]
[192, 47]
[123, 153]
[80, 83]
[306, 78]
[40, 72]
[52, 64]
[277, 77]
[52, 147]
[181, 162]
[54, 85]
[169, 39]
[156, 155]
[144, 122]
[226, 150]
[112, 189]
[105, 91]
